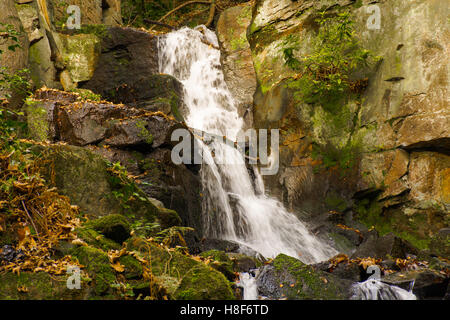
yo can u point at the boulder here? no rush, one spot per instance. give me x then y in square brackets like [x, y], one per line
[128, 58]
[425, 284]
[182, 276]
[383, 247]
[114, 226]
[288, 278]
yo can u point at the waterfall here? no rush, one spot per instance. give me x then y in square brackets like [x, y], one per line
[234, 204]
[377, 290]
[248, 283]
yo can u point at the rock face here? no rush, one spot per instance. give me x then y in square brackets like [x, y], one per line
[237, 58]
[380, 158]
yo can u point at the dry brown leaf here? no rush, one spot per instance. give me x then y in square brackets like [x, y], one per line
[118, 267]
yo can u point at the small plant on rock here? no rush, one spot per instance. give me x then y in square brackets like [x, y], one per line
[324, 75]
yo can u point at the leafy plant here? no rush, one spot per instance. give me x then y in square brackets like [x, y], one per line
[324, 75]
[11, 82]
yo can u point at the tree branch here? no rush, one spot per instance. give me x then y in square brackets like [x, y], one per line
[182, 6]
[159, 24]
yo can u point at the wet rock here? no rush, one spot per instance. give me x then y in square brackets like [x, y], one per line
[426, 284]
[243, 263]
[218, 244]
[288, 278]
[386, 246]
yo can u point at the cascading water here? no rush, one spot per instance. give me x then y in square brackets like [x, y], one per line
[377, 290]
[233, 207]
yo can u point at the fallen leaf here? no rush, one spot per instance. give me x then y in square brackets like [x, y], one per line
[118, 267]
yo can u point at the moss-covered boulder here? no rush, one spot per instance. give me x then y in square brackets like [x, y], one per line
[168, 218]
[200, 283]
[182, 276]
[98, 267]
[38, 286]
[288, 278]
[85, 178]
[80, 55]
[133, 268]
[95, 239]
[114, 226]
[221, 262]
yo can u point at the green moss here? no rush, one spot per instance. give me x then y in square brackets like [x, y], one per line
[335, 202]
[163, 262]
[144, 133]
[168, 218]
[415, 228]
[204, 283]
[133, 268]
[239, 43]
[86, 94]
[358, 4]
[95, 239]
[39, 286]
[113, 226]
[309, 283]
[98, 267]
[221, 262]
[37, 120]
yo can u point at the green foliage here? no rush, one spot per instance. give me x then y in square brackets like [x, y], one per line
[16, 81]
[324, 75]
[344, 158]
[86, 94]
[11, 82]
[135, 12]
[125, 190]
[8, 32]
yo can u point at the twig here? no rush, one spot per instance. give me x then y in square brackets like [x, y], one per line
[212, 12]
[32, 222]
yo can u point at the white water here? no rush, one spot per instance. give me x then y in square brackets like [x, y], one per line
[377, 290]
[233, 208]
[248, 283]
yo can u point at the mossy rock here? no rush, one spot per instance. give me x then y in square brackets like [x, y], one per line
[440, 244]
[221, 262]
[83, 176]
[287, 277]
[133, 268]
[168, 218]
[163, 261]
[95, 239]
[203, 283]
[115, 227]
[171, 268]
[98, 267]
[37, 286]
